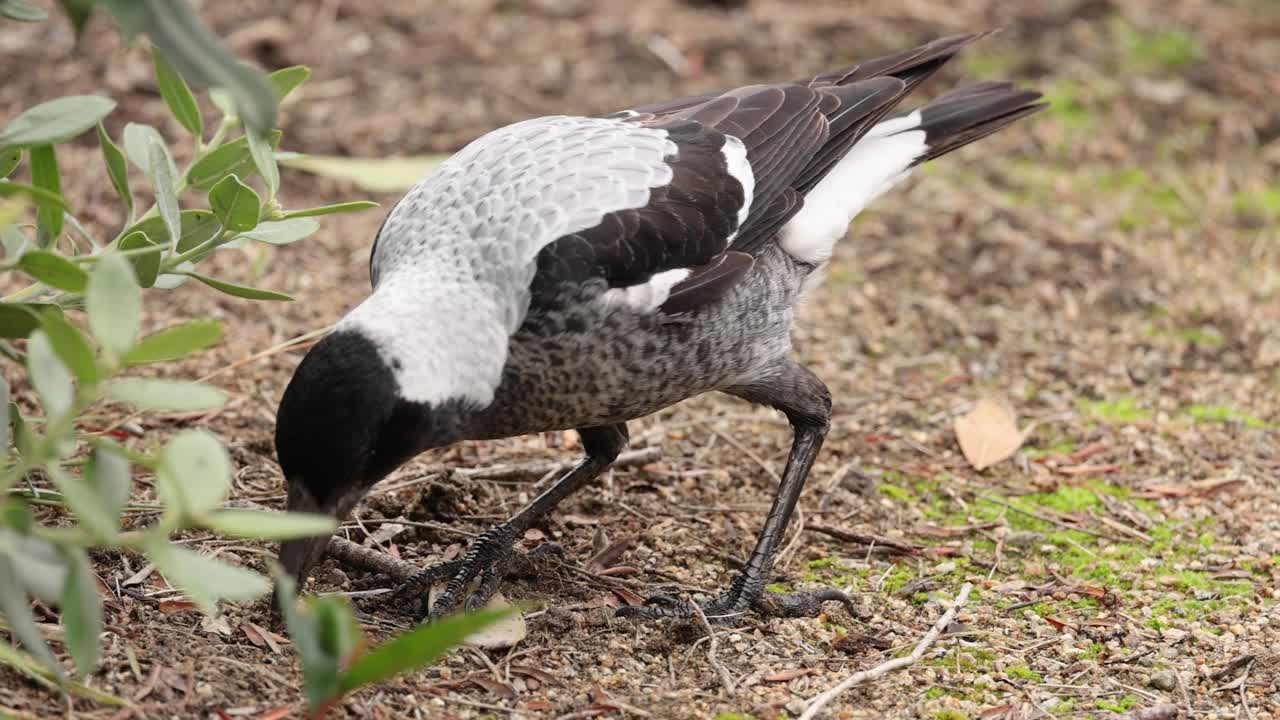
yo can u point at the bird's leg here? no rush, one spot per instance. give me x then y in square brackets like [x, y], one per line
[491, 557]
[806, 402]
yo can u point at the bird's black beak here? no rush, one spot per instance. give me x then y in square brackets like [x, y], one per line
[301, 555]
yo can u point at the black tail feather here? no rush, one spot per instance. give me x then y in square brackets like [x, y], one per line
[971, 113]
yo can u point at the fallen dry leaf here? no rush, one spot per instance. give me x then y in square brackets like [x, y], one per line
[503, 634]
[988, 433]
[168, 607]
[500, 689]
[542, 676]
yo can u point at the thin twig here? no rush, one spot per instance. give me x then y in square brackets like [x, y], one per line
[631, 458]
[864, 539]
[713, 649]
[820, 701]
[1053, 521]
[1244, 690]
[274, 350]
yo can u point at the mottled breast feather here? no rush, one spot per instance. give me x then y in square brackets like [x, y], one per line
[456, 256]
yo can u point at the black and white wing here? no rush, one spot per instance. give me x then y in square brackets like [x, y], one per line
[698, 235]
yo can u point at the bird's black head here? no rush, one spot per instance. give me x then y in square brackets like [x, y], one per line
[341, 427]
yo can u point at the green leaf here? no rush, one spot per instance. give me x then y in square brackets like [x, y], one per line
[54, 270]
[16, 516]
[72, 347]
[235, 204]
[268, 525]
[264, 160]
[176, 94]
[228, 159]
[416, 648]
[162, 178]
[13, 241]
[354, 206]
[44, 175]
[198, 226]
[17, 613]
[56, 121]
[9, 160]
[40, 568]
[138, 138]
[194, 473]
[21, 11]
[18, 320]
[240, 290]
[22, 438]
[108, 474]
[6, 438]
[282, 232]
[320, 670]
[78, 12]
[175, 342]
[371, 174]
[81, 613]
[197, 54]
[39, 196]
[223, 101]
[286, 80]
[158, 394]
[82, 497]
[117, 167]
[145, 265]
[50, 378]
[114, 302]
[205, 579]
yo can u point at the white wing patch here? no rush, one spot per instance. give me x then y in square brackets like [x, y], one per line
[647, 296]
[457, 254]
[876, 163]
[735, 159]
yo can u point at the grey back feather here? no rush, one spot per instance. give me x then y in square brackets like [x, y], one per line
[456, 256]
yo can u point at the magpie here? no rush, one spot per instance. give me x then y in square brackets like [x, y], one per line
[580, 272]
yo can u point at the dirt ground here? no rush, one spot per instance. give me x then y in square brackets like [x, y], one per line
[1111, 268]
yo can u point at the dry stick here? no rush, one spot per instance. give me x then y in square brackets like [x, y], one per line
[713, 648]
[820, 701]
[273, 350]
[1053, 521]
[631, 458]
[863, 539]
[345, 551]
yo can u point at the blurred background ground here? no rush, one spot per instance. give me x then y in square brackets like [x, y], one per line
[1110, 268]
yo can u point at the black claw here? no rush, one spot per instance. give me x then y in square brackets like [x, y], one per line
[490, 579]
[488, 560]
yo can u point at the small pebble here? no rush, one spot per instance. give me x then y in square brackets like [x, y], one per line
[1163, 680]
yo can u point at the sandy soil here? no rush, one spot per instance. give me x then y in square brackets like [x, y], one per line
[1110, 268]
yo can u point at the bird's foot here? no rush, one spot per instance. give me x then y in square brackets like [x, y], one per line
[734, 603]
[475, 575]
